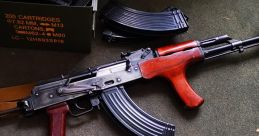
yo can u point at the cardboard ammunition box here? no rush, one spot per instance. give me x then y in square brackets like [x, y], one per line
[45, 26]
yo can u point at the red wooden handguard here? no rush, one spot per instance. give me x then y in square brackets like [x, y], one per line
[57, 116]
[173, 67]
[169, 49]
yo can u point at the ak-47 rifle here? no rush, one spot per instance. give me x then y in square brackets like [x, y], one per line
[103, 85]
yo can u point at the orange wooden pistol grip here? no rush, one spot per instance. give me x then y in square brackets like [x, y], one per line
[57, 115]
[173, 67]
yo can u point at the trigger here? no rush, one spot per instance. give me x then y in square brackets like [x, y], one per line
[83, 105]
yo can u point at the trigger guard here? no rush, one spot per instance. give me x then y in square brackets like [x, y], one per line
[81, 108]
[76, 110]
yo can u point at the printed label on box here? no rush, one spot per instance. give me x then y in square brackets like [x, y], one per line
[37, 29]
[46, 26]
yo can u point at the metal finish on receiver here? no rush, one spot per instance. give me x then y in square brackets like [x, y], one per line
[93, 82]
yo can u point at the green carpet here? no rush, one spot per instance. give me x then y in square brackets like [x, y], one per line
[229, 85]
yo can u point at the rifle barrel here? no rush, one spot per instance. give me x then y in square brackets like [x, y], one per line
[235, 46]
[254, 40]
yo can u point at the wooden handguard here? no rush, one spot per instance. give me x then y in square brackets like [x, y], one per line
[173, 67]
[57, 115]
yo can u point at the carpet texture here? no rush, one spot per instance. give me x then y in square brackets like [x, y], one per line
[229, 85]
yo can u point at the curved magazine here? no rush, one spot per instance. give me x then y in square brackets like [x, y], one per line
[132, 117]
[145, 23]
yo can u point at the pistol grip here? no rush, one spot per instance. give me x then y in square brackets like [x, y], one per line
[183, 88]
[173, 68]
[57, 117]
